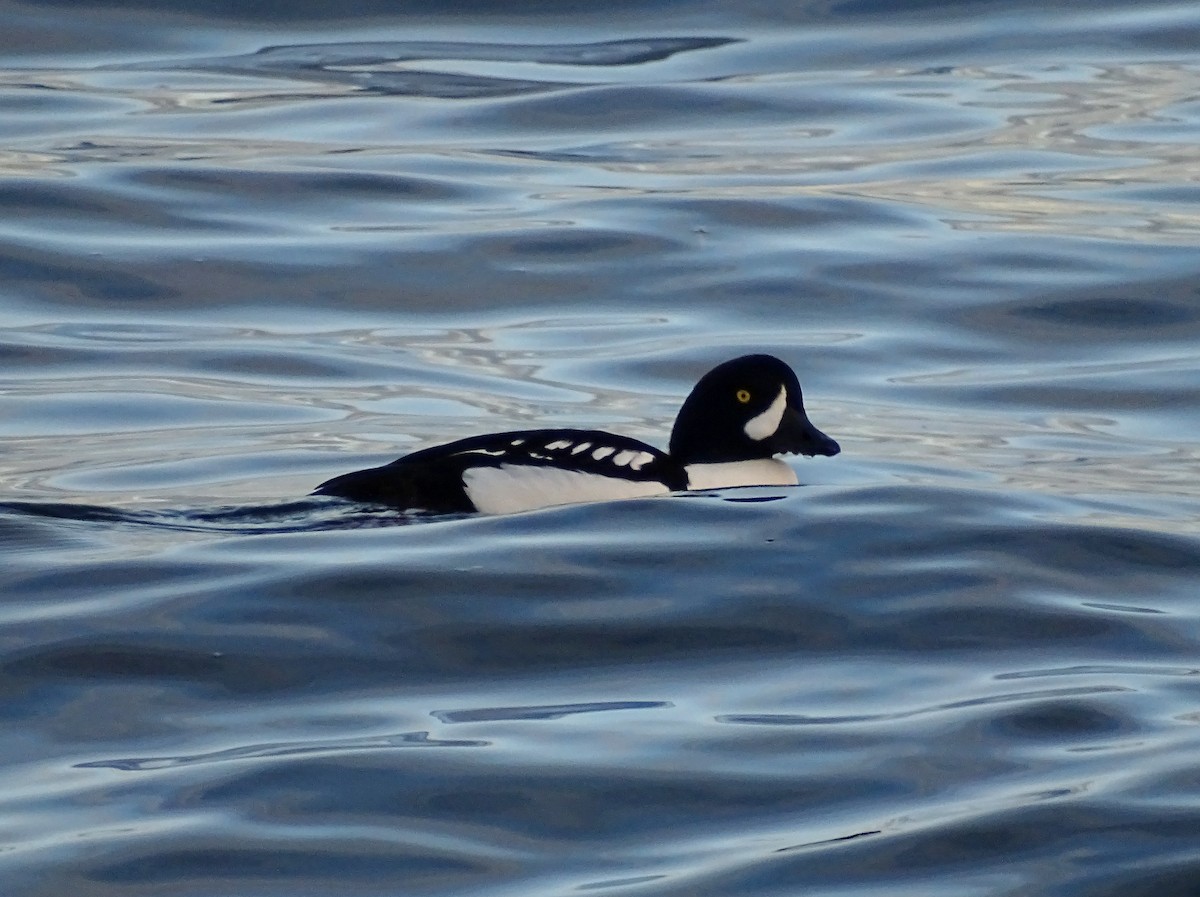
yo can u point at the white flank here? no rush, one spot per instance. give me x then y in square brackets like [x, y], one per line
[510, 488]
[762, 472]
[766, 423]
[603, 452]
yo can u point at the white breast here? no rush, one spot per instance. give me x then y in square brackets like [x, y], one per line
[763, 472]
[510, 488]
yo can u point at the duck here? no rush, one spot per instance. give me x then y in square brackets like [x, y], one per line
[729, 429]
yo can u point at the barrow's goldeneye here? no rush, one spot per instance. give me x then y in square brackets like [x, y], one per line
[737, 418]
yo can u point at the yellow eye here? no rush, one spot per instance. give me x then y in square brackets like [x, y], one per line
[743, 396]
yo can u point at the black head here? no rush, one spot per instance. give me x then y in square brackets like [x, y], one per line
[747, 408]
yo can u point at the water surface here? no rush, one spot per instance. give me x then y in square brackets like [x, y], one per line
[244, 250]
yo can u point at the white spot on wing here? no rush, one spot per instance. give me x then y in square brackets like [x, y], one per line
[603, 452]
[517, 442]
[642, 459]
[498, 453]
[622, 458]
[761, 472]
[510, 488]
[766, 423]
[582, 447]
[559, 444]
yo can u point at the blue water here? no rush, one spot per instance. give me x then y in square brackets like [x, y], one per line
[244, 248]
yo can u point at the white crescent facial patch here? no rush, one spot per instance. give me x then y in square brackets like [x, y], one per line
[765, 423]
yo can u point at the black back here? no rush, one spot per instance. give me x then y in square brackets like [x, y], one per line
[432, 479]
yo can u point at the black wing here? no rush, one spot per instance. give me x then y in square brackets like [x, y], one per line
[431, 479]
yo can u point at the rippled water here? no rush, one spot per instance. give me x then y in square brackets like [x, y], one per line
[242, 251]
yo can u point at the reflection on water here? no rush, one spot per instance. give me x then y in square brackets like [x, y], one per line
[237, 258]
